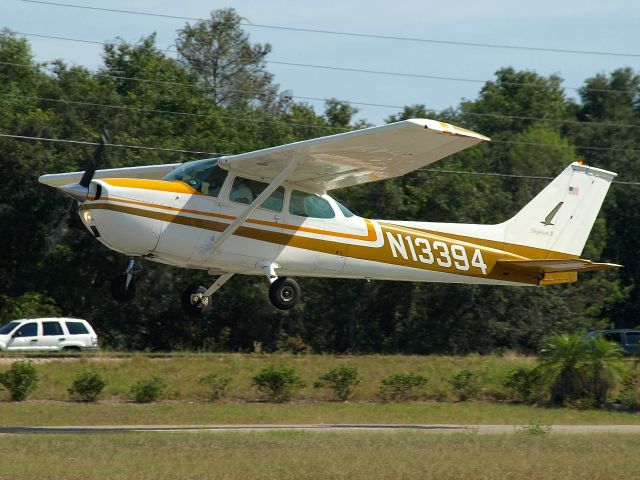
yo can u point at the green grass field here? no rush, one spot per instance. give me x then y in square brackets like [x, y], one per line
[183, 371]
[311, 455]
[199, 413]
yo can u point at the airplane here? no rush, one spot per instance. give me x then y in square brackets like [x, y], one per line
[267, 212]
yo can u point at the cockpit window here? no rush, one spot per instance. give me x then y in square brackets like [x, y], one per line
[345, 211]
[203, 175]
[309, 205]
[245, 191]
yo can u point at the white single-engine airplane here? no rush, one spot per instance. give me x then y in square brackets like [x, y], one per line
[267, 212]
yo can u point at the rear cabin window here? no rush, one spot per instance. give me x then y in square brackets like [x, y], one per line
[245, 191]
[27, 330]
[76, 328]
[633, 338]
[310, 205]
[52, 328]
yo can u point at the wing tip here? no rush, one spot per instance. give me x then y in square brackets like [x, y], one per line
[447, 128]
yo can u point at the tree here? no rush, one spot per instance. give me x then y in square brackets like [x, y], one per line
[231, 68]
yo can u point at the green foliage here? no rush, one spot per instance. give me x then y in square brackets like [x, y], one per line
[466, 384]
[534, 429]
[402, 386]
[20, 380]
[342, 380]
[228, 103]
[579, 369]
[216, 385]
[87, 386]
[279, 384]
[148, 390]
[524, 384]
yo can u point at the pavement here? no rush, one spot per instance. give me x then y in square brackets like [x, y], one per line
[439, 428]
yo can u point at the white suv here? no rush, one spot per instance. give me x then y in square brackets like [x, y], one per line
[48, 335]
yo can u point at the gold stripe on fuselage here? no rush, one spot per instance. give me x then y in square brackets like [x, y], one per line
[491, 250]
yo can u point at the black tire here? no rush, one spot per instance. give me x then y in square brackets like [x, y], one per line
[284, 293]
[196, 307]
[118, 290]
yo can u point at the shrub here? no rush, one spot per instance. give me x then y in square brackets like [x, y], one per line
[21, 379]
[87, 386]
[278, 383]
[216, 385]
[149, 390]
[342, 380]
[466, 384]
[524, 384]
[579, 368]
[629, 396]
[402, 386]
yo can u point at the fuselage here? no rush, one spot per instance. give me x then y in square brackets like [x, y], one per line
[176, 221]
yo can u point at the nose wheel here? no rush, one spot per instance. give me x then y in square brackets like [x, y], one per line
[194, 300]
[284, 293]
[123, 287]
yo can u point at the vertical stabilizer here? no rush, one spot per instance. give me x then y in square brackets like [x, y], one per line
[561, 216]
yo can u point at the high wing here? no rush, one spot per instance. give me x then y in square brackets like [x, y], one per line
[331, 162]
[152, 172]
[361, 156]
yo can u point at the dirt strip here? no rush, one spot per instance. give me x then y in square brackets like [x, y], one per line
[440, 428]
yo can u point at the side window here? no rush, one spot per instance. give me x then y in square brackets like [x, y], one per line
[633, 338]
[213, 181]
[613, 337]
[76, 328]
[51, 328]
[245, 191]
[27, 330]
[309, 205]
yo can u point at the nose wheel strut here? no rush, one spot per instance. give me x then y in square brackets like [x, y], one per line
[123, 287]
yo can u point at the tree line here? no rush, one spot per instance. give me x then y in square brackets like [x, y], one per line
[217, 96]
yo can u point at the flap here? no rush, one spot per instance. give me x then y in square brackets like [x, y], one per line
[554, 265]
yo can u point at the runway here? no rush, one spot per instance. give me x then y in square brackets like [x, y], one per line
[436, 428]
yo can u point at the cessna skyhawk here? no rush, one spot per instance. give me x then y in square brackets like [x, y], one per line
[268, 213]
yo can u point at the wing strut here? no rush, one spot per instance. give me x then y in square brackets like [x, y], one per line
[233, 226]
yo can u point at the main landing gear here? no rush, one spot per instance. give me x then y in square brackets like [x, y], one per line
[123, 287]
[284, 292]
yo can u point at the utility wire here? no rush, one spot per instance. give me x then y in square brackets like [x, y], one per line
[505, 175]
[137, 147]
[359, 70]
[352, 34]
[324, 127]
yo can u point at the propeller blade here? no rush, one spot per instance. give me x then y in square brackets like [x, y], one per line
[95, 161]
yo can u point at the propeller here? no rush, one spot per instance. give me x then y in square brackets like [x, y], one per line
[78, 192]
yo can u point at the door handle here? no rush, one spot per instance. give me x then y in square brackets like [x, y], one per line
[61, 339]
[34, 340]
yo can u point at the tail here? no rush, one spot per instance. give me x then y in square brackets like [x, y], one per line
[560, 217]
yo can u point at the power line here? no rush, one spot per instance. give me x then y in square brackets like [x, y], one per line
[359, 70]
[505, 175]
[173, 150]
[353, 34]
[137, 147]
[397, 107]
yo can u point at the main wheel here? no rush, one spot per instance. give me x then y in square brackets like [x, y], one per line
[194, 302]
[284, 293]
[121, 293]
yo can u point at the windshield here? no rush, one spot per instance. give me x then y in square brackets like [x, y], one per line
[203, 175]
[8, 328]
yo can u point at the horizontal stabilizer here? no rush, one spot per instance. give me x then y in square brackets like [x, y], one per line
[554, 265]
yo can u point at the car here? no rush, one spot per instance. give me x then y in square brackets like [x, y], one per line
[627, 338]
[48, 335]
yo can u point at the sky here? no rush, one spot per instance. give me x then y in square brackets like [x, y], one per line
[561, 24]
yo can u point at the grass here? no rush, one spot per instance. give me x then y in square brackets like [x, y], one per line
[310, 455]
[182, 373]
[63, 413]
